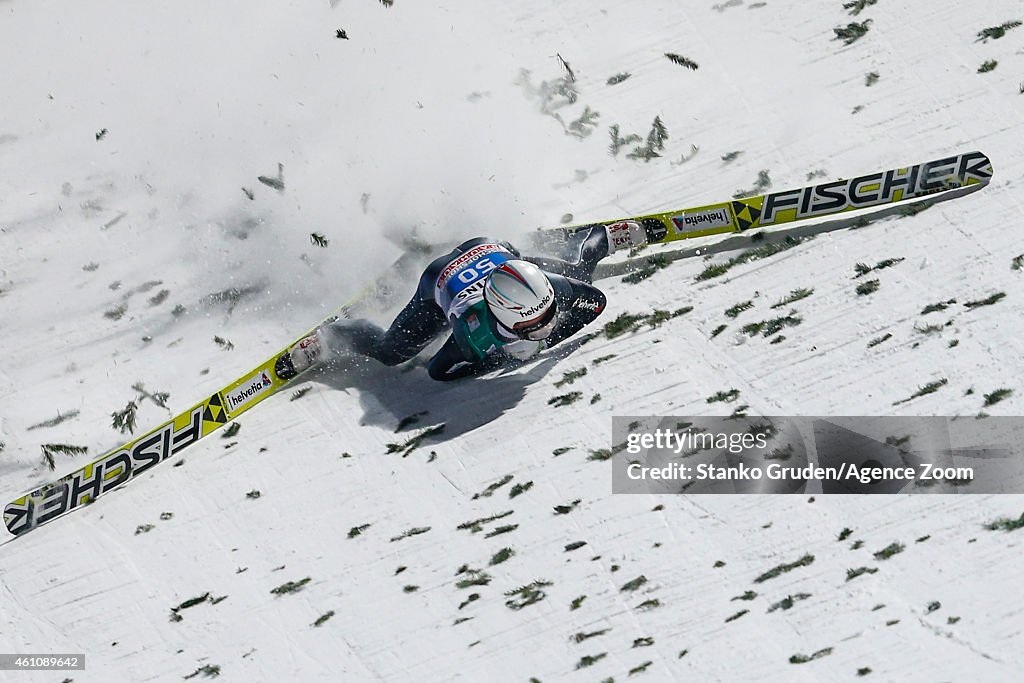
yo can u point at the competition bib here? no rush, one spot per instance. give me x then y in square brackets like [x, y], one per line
[461, 283]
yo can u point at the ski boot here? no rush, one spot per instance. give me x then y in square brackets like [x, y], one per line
[299, 357]
[628, 234]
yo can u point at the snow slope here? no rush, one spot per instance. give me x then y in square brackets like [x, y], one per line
[425, 121]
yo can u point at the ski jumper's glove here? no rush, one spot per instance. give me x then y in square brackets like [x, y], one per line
[524, 349]
[450, 363]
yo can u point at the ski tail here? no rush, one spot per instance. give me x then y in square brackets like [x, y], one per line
[115, 468]
[814, 201]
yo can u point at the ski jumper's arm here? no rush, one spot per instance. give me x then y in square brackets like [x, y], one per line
[450, 363]
[578, 303]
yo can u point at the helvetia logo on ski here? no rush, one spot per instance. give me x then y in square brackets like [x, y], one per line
[710, 218]
[252, 387]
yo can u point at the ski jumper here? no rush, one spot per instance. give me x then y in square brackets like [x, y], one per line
[449, 295]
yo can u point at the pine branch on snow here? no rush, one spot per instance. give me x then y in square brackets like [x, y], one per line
[124, 420]
[49, 449]
[275, 182]
[852, 32]
[682, 61]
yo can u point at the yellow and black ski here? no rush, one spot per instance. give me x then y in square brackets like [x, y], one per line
[113, 469]
[116, 467]
[814, 201]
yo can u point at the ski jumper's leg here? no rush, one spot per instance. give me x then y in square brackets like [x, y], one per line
[412, 330]
[580, 257]
[414, 327]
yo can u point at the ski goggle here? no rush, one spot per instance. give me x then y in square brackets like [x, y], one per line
[540, 329]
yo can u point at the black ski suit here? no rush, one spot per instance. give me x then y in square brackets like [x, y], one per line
[577, 303]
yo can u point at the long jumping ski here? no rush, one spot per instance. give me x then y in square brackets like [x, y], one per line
[814, 201]
[85, 484]
[113, 469]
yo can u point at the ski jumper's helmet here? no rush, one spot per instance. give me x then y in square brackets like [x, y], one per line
[521, 299]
